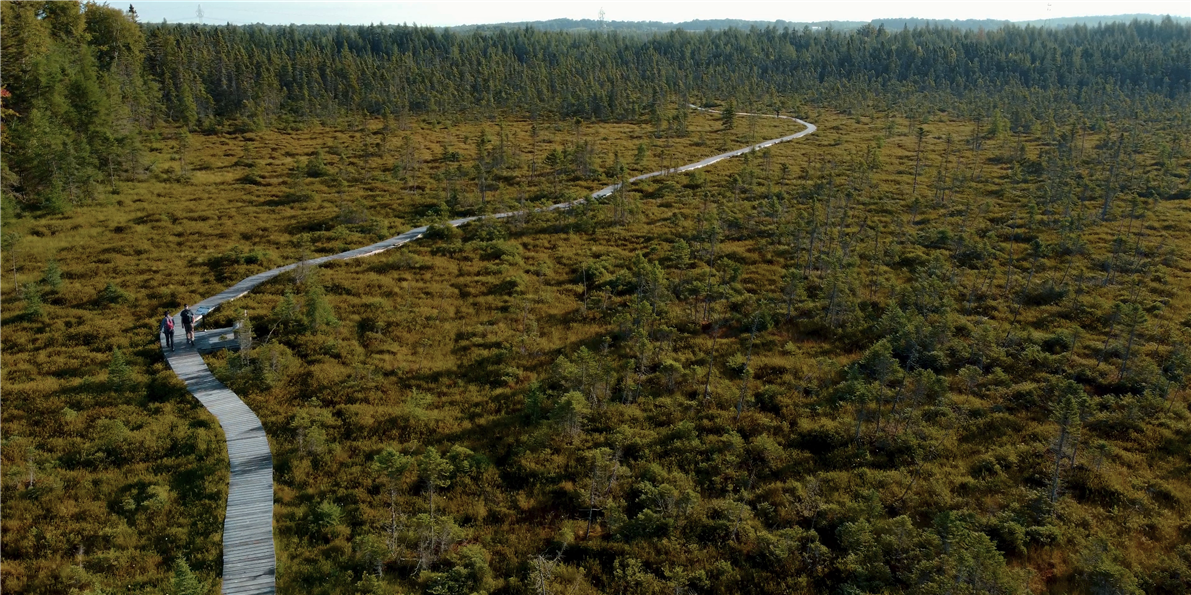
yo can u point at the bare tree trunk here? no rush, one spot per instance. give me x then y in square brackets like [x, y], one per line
[880, 398]
[1109, 191]
[32, 464]
[1054, 482]
[545, 571]
[595, 468]
[1021, 298]
[897, 398]
[748, 358]
[917, 160]
[941, 191]
[859, 421]
[431, 492]
[1009, 268]
[483, 189]
[1128, 348]
[1104, 350]
[585, 290]
[392, 519]
[710, 365]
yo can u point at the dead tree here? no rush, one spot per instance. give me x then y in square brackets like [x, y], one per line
[1067, 416]
[605, 466]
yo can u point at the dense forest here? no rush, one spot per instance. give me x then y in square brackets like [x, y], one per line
[264, 73]
[86, 81]
[939, 346]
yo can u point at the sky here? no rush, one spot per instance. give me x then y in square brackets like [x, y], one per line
[443, 13]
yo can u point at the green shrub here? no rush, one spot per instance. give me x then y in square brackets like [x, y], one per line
[316, 167]
[120, 375]
[512, 285]
[52, 276]
[111, 294]
[443, 231]
[252, 178]
[501, 250]
[33, 303]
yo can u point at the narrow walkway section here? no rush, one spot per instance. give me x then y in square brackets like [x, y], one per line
[249, 562]
[249, 556]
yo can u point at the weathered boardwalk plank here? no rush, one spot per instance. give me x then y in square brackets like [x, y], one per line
[249, 555]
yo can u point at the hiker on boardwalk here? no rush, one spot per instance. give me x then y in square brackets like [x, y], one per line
[167, 329]
[188, 324]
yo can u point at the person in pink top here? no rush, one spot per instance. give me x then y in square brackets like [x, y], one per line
[167, 329]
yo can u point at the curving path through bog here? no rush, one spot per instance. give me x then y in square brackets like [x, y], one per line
[249, 557]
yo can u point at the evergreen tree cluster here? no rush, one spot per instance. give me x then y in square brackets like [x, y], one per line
[83, 79]
[76, 96]
[316, 71]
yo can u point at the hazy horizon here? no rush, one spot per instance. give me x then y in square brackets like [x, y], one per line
[461, 13]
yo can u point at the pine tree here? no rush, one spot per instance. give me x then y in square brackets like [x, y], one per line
[319, 314]
[119, 372]
[53, 275]
[286, 311]
[33, 303]
[605, 466]
[435, 473]
[1132, 316]
[186, 108]
[78, 97]
[728, 116]
[1067, 416]
[392, 466]
[571, 412]
[185, 582]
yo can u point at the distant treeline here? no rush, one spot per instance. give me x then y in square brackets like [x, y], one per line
[84, 79]
[582, 25]
[313, 71]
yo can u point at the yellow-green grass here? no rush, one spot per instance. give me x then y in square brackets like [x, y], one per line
[448, 321]
[151, 237]
[444, 326]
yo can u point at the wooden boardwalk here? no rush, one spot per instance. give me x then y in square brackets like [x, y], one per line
[249, 557]
[249, 562]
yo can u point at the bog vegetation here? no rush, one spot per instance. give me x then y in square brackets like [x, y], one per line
[940, 345]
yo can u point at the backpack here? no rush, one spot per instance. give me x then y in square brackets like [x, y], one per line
[187, 316]
[169, 324]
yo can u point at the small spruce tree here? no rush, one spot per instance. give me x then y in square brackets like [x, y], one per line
[728, 116]
[185, 582]
[33, 303]
[119, 372]
[53, 276]
[318, 310]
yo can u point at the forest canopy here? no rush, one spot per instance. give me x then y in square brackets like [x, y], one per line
[84, 80]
